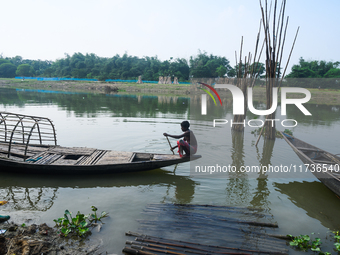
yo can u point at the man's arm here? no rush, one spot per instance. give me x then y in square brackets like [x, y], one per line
[175, 136]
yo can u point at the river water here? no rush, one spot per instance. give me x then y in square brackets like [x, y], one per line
[299, 203]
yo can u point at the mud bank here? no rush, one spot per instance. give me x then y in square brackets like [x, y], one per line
[42, 239]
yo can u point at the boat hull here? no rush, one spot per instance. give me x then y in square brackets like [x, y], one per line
[24, 167]
[326, 172]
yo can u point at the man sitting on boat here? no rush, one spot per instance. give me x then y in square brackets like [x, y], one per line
[188, 144]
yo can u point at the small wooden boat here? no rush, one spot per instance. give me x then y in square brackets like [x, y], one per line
[323, 165]
[23, 149]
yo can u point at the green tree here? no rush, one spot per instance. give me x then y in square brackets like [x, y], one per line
[221, 71]
[206, 66]
[312, 69]
[24, 70]
[2, 61]
[17, 60]
[333, 73]
[7, 70]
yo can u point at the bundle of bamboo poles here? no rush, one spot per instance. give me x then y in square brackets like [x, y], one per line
[248, 71]
[205, 229]
[152, 245]
[275, 42]
[246, 74]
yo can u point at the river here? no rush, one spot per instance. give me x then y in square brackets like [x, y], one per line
[299, 203]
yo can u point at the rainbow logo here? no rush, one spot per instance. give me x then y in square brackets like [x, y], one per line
[204, 97]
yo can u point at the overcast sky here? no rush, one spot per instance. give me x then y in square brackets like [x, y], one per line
[38, 29]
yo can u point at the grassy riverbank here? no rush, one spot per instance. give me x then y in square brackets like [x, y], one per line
[98, 87]
[319, 96]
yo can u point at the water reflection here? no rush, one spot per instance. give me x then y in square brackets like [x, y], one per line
[24, 198]
[261, 194]
[238, 186]
[321, 114]
[26, 192]
[316, 199]
[87, 103]
[149, 106]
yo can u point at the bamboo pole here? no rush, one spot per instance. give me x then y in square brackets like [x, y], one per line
[291, 51]
[232, 209]
[155, 250]
[183, 244]
[176, 247]
[170, 146]
[134, 251]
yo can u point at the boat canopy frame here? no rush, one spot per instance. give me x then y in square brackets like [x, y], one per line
[24, 130]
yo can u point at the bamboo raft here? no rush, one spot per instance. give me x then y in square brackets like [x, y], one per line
[28, 144]
[205, 229]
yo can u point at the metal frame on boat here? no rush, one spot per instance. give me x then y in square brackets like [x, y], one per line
[322, 164]
[25, 146]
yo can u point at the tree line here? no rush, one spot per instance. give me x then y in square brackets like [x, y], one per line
[127, 67]
[315, 69]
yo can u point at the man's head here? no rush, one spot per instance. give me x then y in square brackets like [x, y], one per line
[185, 125]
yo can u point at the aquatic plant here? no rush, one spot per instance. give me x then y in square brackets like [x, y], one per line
[94, 217]
[78, 225]
[288, 132]
[337, 238]
[303, 242]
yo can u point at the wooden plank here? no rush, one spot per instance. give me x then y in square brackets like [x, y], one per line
[19, 149]
[82, 160]
[45, 158]
[62, 161]
[333, 158]
[164, 157]
[308, 149]
[90, 159]
[72, 150]
[115, 157]
[323, 162]
[36, 157]
[100, 155]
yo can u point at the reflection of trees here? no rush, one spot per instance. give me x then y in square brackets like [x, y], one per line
[321, 114]
[32, 199]
[260, 198]
[238, 184]
[87, 103]
[310, 196]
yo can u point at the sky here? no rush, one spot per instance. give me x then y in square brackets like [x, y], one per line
[46, 29]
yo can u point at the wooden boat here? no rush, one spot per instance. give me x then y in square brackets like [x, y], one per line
[23, 148]
[323, 165]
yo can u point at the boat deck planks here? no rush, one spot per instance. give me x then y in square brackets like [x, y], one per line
[71, 150]
[116, 156]
[19, 149]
